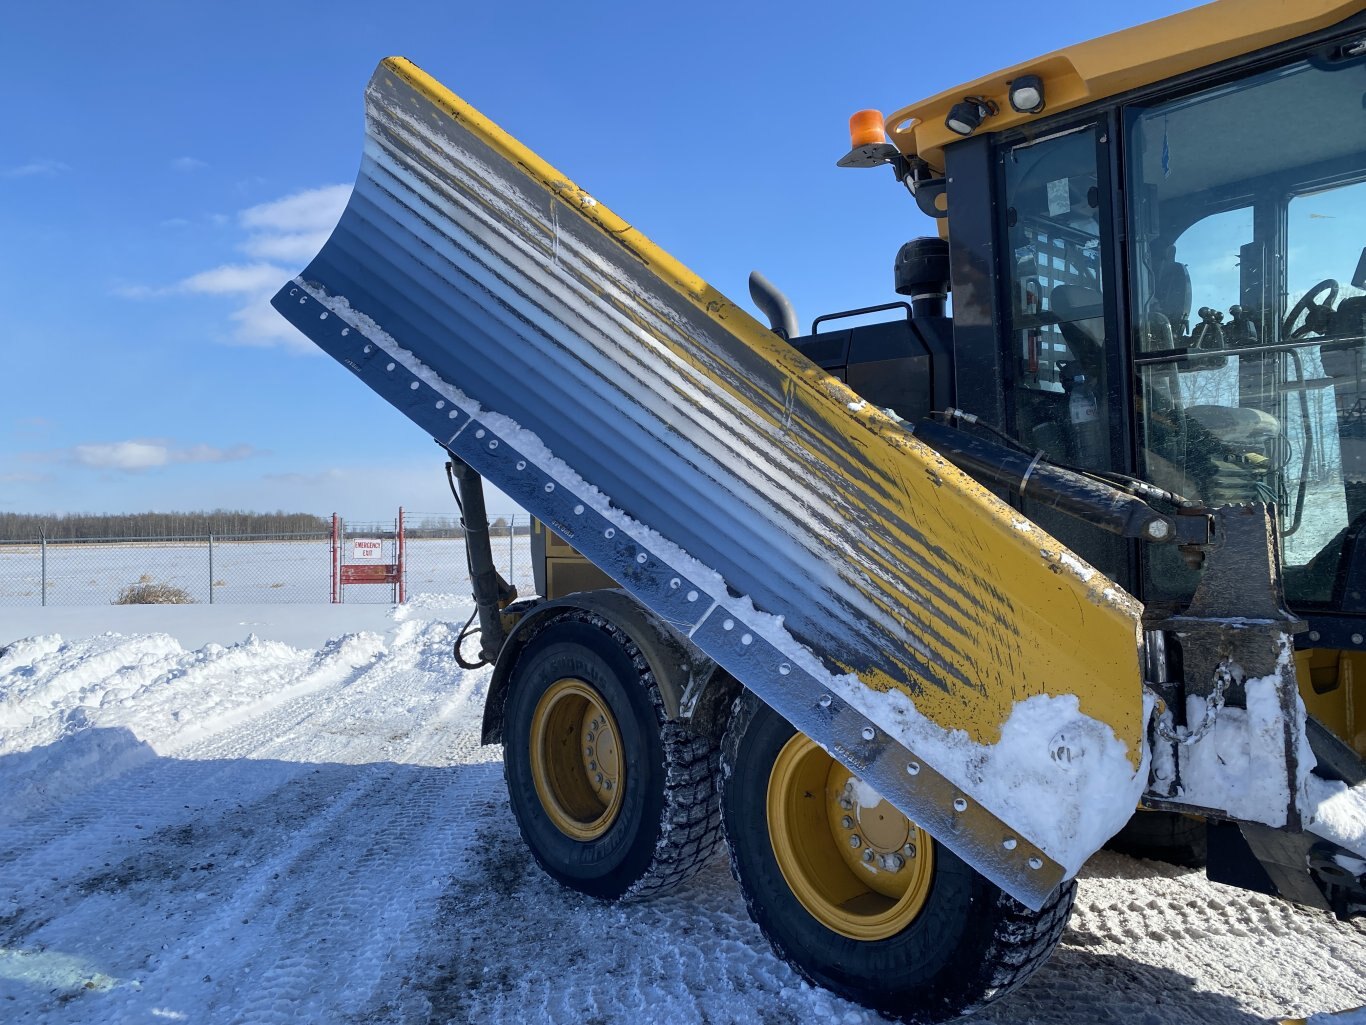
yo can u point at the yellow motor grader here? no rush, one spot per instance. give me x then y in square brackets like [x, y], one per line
[917, 610]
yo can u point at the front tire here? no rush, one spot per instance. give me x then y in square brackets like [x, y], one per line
[613, 799]
[855, 896]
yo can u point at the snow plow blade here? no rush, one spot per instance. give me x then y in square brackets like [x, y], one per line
[955, 657]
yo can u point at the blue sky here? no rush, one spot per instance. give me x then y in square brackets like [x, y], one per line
[164, 166]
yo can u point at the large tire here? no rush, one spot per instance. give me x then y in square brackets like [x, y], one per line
[638, 815]
[1163, 836]
[938, 942]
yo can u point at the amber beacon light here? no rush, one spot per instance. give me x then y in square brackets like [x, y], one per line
[865, 128]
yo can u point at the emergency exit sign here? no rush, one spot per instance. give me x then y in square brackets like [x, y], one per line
[365, 548]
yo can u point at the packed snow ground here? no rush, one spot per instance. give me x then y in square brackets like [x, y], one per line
[236, 814]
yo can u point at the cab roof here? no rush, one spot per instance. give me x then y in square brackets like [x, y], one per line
[1113, 64]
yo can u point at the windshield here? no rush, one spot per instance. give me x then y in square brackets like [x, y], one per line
[1247, 211]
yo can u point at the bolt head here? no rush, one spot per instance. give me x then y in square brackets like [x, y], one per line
[868, 855]
[592, 766]
[599, 777]
[846, 804]
[847, 822]
[893, 862]
[607, 785]
[909, 850]
[856, 841]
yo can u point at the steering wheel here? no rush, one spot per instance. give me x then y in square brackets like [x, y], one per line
[1315, 313]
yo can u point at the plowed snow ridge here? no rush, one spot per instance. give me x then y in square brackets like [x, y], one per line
[254, 832]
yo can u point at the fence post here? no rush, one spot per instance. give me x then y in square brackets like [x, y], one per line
[512, 534]
[42, 545]
[211, 567]
[333, 552]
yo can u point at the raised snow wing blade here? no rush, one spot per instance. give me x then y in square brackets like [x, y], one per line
[958, 659]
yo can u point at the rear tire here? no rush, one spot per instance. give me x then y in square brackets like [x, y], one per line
[1163, 836]
[613, 799]
[926, 948]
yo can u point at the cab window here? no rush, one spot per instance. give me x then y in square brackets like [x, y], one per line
[1246, 226]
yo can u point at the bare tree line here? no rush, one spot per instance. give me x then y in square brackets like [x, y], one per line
[220, 522]
[224, 522]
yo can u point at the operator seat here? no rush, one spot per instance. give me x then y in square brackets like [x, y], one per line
[1172, 292]
[1081, 319]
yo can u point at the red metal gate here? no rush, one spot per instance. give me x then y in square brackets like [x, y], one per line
[371, 560]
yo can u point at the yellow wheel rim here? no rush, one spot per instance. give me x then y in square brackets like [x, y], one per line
[576, 761]
[858, 866]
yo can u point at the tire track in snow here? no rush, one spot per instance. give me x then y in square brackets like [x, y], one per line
[364, 858]
[97, 844]
[85, 827]
[354, 887]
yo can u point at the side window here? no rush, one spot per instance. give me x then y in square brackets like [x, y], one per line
[1057, 297]
[1325, 435]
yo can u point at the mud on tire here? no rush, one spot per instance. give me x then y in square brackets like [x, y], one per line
[663, 824]
[969, 944]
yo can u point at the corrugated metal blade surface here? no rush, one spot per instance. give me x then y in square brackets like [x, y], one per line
[465, 262]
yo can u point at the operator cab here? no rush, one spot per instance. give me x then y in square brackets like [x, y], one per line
[1167, 283]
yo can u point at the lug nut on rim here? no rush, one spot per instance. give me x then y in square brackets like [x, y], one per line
[856, 841]
[868, 855]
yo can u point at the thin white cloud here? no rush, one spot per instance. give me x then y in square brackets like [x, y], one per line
[175, 222]
[133, 456]
[282, 236]
[296, 247]
[306, 211]
[140, 291]
[237, 279]
[122, 455]
[258, 325]
[42, 166]
[187, 164]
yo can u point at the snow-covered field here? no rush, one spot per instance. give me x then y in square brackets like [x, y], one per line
[255, 572]
[275, 813]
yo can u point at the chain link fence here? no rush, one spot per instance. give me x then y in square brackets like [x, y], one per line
[252, 568]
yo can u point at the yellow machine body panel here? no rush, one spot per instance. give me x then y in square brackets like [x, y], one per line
[1330, 689]
[1113, 64]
